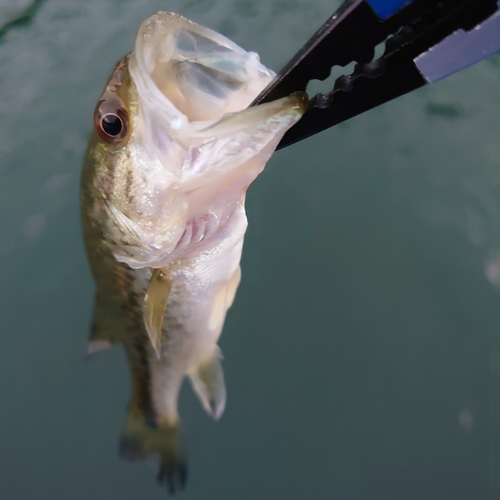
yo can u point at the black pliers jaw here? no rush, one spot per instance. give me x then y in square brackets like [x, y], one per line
[352, 34]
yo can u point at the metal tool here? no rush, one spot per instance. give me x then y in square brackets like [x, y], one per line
[425, 40]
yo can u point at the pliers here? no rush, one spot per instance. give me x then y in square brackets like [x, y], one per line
[425, 40]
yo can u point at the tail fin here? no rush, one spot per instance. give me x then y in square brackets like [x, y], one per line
[207, 379]
[140, 440]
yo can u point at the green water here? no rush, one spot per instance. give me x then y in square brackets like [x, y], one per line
[362, 355]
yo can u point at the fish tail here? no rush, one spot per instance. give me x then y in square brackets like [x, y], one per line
[142, 439]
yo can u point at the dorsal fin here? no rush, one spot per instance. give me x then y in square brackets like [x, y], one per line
[106, 328]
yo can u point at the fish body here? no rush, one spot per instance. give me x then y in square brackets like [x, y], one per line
[173, 151]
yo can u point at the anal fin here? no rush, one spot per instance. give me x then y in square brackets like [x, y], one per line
[207, 380]
[155, 305]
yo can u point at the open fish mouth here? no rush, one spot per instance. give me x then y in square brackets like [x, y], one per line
[190, 79]
[192, 73]
[196, 145]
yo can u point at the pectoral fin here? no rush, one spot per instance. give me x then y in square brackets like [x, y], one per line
[155, 305]
[208, 384]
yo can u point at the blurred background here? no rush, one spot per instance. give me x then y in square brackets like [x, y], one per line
[362, 354]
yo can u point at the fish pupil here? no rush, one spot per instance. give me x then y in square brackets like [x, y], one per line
[112, 125]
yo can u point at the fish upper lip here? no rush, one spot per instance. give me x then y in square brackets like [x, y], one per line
[157, 35]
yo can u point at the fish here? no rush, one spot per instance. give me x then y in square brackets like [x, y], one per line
[174, 147]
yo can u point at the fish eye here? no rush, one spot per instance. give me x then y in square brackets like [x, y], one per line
[111, 124]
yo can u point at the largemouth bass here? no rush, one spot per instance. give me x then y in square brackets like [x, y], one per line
[173, 151]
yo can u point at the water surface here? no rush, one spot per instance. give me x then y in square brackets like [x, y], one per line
[362, 355]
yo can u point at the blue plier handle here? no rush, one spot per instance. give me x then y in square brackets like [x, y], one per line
[425, 40]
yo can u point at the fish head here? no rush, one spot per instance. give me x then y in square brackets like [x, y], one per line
[176, 141]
